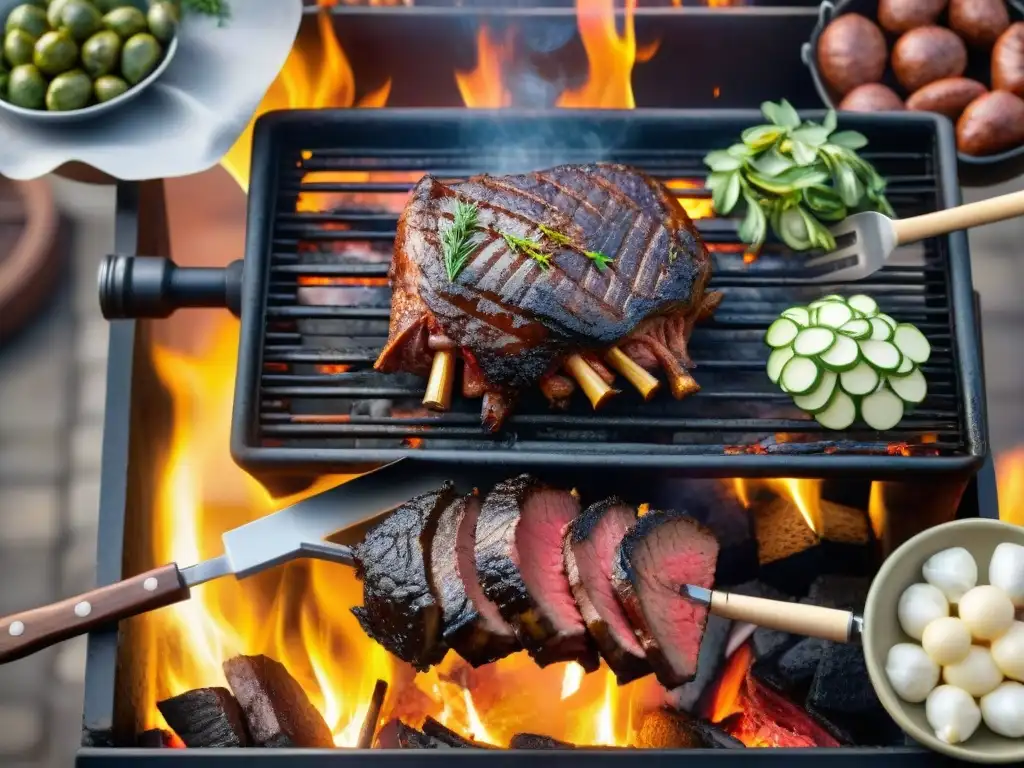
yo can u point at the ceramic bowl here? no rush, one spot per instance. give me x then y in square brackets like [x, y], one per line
[882, 630]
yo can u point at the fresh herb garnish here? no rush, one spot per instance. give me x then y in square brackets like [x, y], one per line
[673, 253]
[555, 236]
[526, 247]
[795, 175]
[600, 260]
[457, 241]
[217, 8]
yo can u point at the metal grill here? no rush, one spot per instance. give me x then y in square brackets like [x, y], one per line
[324, 201]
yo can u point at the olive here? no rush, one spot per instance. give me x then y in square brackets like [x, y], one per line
[80, 19]
[106, 6]
[69, 91]
[18, 47]
[163, 21]
[126, 21]
[27, 87]
[100, 53]
[109, 87]
[53, 12]
[29, 18]
[139, 57]
[55, 52]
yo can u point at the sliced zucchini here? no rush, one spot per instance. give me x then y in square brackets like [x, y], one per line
[880, 330]
[882, 355]
[840, 414]
[814, 341]
[858, 328]
[843, 355]
[881, 410]
[863, 303]
[818, 302]
[834, 314]
[912, 343]
[834, 297]
[859, 380]
[911, 389]
[777, 361]
[887, 320]
[800, 375]
[906, 368]
[820, 397]
[781, 333]
[799, 315]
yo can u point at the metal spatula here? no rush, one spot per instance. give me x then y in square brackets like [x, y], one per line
[865, 241]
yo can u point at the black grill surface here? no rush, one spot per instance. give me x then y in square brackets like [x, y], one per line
[326, 192]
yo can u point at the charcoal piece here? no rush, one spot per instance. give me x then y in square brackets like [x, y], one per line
[848, 593]
[846, 539]
[690, 697]
[442, 733]
[536, 741]
[787, 547]
[395, 734]
[797, 665]
[369, 727]
[206, 717]
[157, 738]
[768, 705]
[276, 709]
[714, 737]
[665, 729]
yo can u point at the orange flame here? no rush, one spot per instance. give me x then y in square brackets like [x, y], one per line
[484, 87]
[727, 700]
[806, 494]
[1010, 481]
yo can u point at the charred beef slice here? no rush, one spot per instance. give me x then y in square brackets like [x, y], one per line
[663, 551]
[519, 560]
[399, 610]
[471, 624]
[591, 544]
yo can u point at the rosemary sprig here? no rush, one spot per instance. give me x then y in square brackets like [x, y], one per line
[555, 236]
[600, 260]
[526, 247]
[217, 8]
[457, 241]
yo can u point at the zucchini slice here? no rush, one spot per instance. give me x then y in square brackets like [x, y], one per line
[833, 314]
[843, 355]
[857, 328]
[777, 361]
[860, 380]
[799, 315]
[781, 333]
[880, 330]
[840, 414]
[887, 320]
[814, 341]
[911, 389]
[863, 303]
[819, 398]
[881, 410]
[800, 375]
[912, 343]
[906, 368]
[881, 355]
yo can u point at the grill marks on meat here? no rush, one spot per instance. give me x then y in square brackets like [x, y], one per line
[591, 545]
[521, 568]
[663, 551]
[518, 322]
[399, 610]
[472, 624]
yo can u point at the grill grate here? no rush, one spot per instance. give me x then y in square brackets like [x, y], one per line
[326, 194]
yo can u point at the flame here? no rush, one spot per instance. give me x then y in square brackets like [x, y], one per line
[572, 680]
[806, 494]
[484, 87]
[727, 700]
[1010, 482]
[876, 511]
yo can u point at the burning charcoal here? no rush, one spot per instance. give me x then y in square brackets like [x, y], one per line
[796, 666]
[536, 741]
[397, 735]
[277, 710]
[206, 717]
[771, 719]
[156, 738]
[848, 593]
[689, 697]
[442, 733]
[369, 727]
[846, 539]
[663, 729]
[714, 737]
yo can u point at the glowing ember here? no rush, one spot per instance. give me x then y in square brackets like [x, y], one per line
[1010, 479]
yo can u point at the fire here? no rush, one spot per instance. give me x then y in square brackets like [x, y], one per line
[806, 494]
[484, 87]
[727, 700]
[1010, 480]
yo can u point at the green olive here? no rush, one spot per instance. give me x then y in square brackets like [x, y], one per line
[53, 12]
[101, 53]
[69, 91]
[18, 47]
[80, 19]
[55, 52]
[109, 87]
[29, 18]
[27, 87]
[106, 6]
[163, 21]
[126, 21]
[139, 57]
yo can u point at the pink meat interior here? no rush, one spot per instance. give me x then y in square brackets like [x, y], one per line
[465, 564]
[542, 523]
[594, 558]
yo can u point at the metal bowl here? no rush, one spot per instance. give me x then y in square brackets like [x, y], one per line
[974, 171]
[882, 630]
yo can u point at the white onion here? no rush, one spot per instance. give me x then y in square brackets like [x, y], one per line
[1003, 710]
[977, 674]
[1006, 571]
[919, 606]
[952, 714]
[1008, 652]
[911, 672]
[953, 571]
[986, 611]
[946, 640]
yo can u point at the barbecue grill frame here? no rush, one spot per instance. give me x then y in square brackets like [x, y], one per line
[279, 464]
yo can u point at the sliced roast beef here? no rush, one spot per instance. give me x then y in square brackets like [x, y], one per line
[519, 560]
[399, 610]
[590, 547]
[471, 624]
[663, 551]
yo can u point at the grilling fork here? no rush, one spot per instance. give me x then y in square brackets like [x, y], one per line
[865, 241]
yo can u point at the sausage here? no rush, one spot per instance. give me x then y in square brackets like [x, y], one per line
[927, 54]
[851, 52]
[992, 123]
[899, 16]
[1008, 60]
[871, 97]
[949, 96]
[978, 22]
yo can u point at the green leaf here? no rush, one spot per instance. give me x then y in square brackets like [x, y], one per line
[739, 150]
[720, 160]
[716, 180]
[754, 228]
[811, 135]
[761, 136]
[791, 228]
[824, 203]
[727, 195]
[781, 114]
[819, 234]
[829, 123]
[848, 139]
[802, 153]
[771, 163]
[849, 187]
[790, 181]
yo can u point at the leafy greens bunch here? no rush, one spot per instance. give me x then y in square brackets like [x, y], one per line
[797, 176]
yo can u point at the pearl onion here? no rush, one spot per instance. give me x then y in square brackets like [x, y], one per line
[977, 674]
[1006, 571]
[1008, 652]
[946, 640]
[919, 606]
[986, 611]
[951, 570]
[911, 672]
[1003, 710]
[952, 714]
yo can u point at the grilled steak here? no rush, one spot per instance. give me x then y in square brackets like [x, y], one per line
[471, 624]
[591, 545]
[535, 287]
[399, 611]
[663, 551]
[519, 561]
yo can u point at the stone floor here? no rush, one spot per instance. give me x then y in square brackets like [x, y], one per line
[51, 405]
